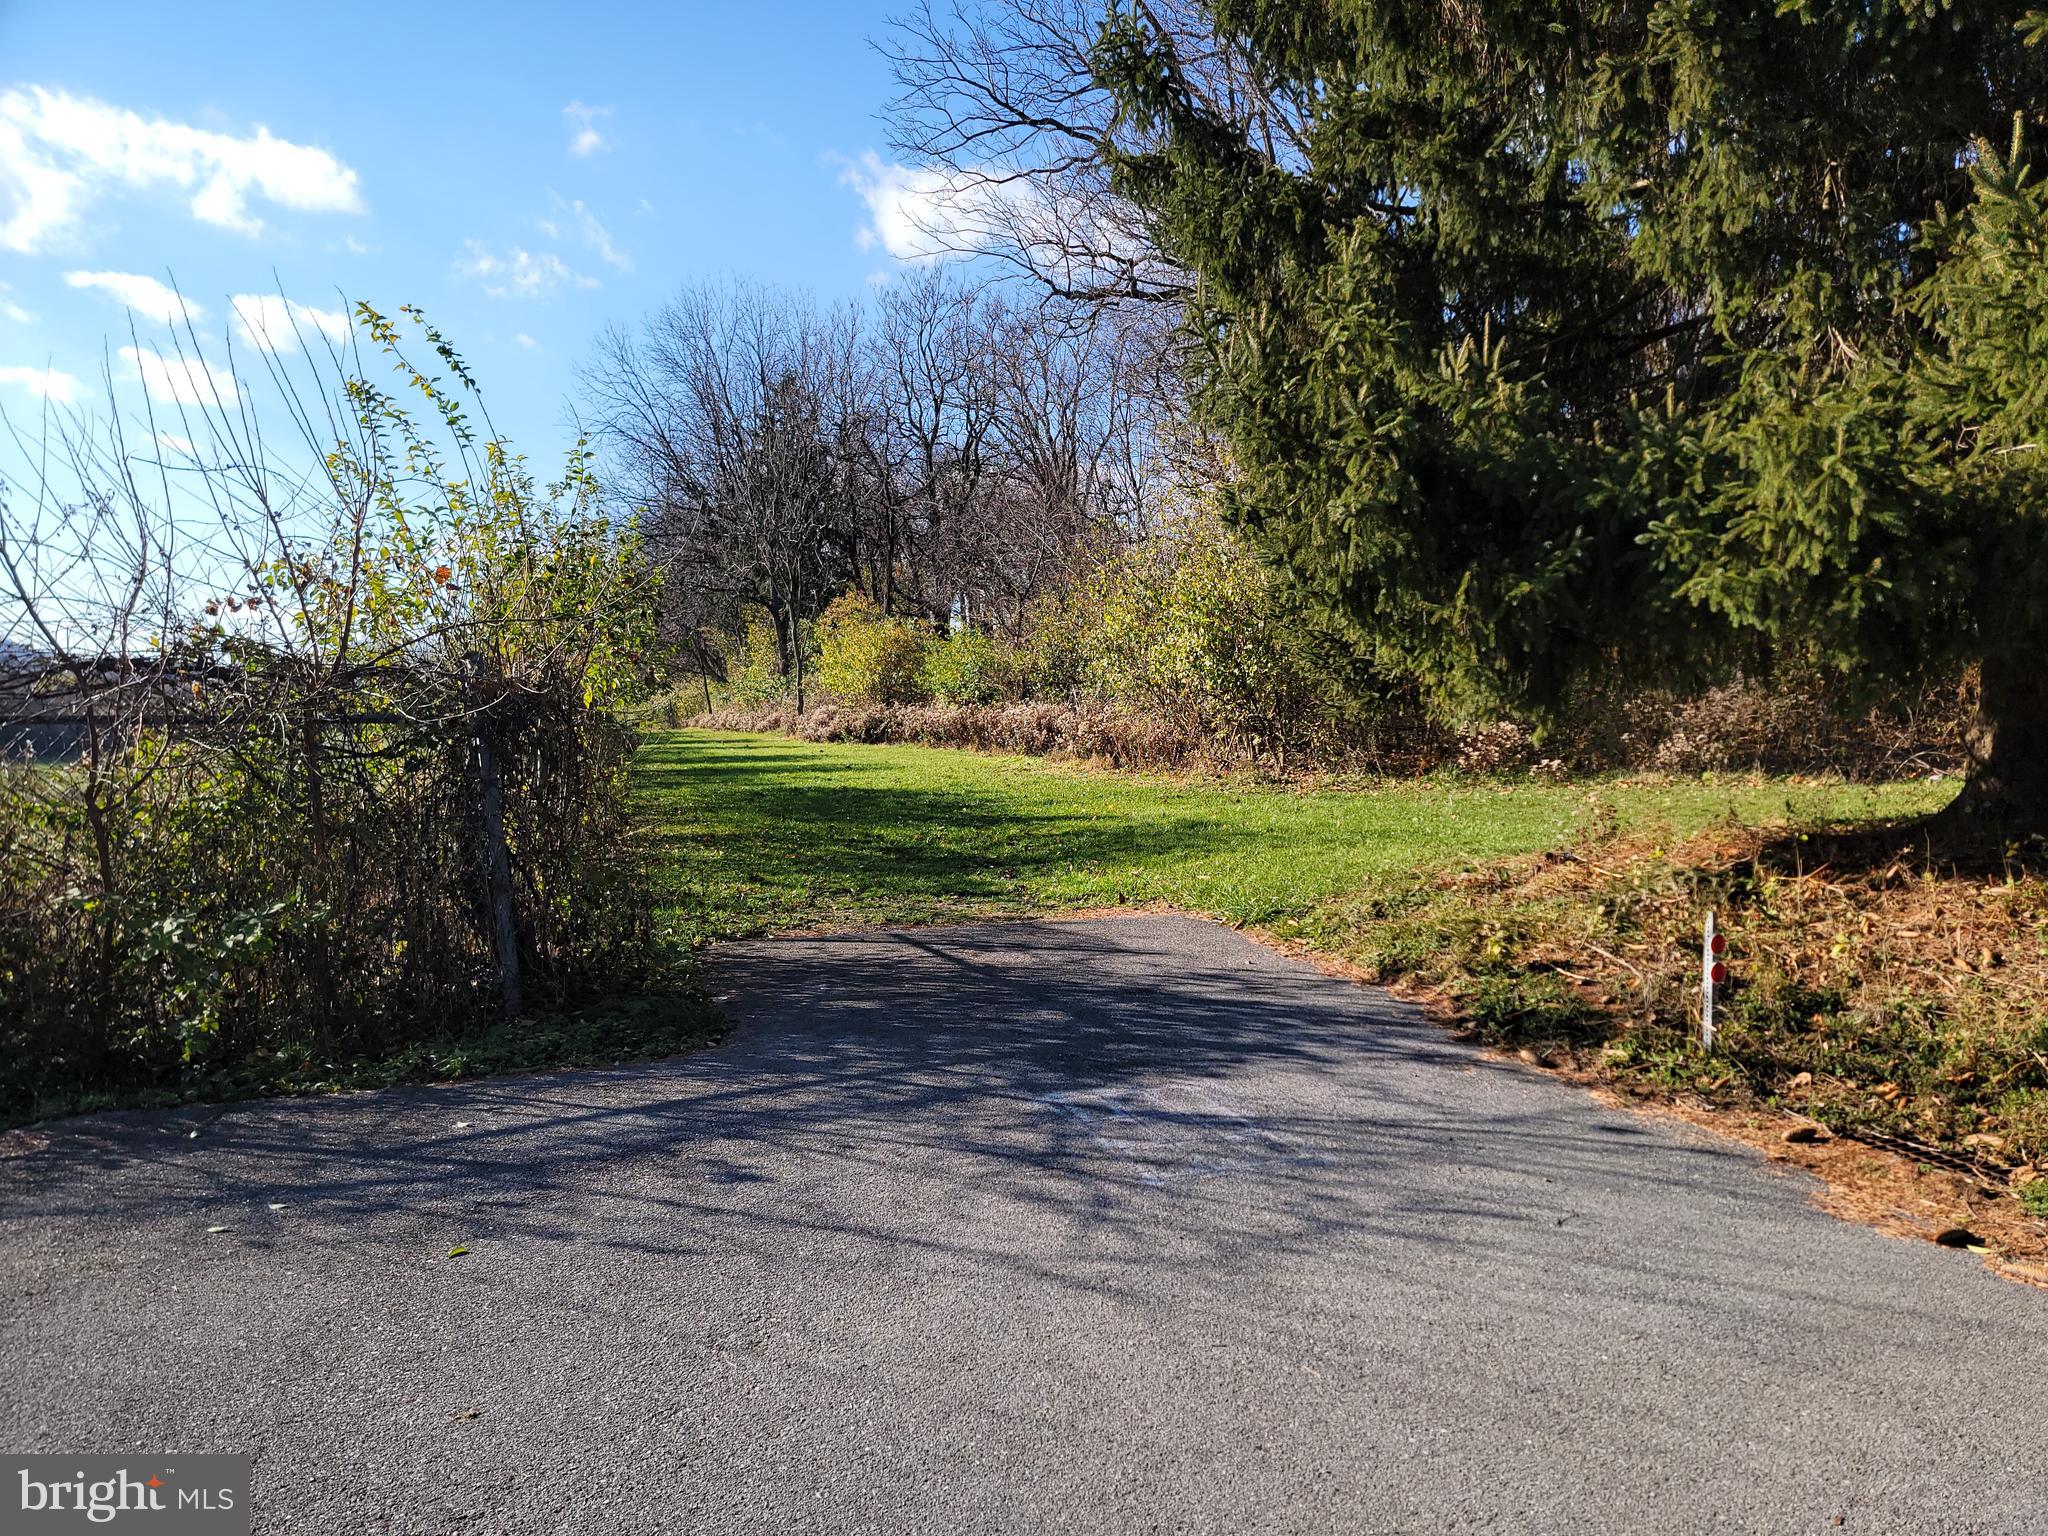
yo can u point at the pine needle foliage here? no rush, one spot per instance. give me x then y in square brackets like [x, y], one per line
[1551, 340]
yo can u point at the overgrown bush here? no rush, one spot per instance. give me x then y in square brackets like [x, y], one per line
[1800, 721]
[969, 666]
[346, 791]
[1502, 747]
[1052, 657]
[1187, 642]
[869, 657]
[753, 666]
[1195, 629]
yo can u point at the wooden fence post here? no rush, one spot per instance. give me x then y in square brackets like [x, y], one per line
[498, 871]
[497, 862]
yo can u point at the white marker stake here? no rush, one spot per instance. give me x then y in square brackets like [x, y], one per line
[1707, 987]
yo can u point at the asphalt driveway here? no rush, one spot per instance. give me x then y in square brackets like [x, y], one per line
[1111, 1226]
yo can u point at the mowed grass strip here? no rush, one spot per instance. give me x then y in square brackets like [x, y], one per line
[765, 833]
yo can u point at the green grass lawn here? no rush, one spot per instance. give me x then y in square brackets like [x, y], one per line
[765, 833]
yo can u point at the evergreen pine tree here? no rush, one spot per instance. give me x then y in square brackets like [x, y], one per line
[1630, 335]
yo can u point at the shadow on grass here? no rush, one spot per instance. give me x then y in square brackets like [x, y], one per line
[701, 761]
[806, 835]
[1943, 845]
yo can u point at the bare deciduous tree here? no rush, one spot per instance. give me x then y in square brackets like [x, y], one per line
[954, 458]
[724, 415]
[1010, 142]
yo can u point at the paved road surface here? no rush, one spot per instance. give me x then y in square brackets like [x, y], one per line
[1122, 1226]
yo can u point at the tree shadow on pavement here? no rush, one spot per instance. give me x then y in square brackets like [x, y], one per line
[1085, 1105]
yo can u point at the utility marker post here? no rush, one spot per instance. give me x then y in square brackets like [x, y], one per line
[1712, 974]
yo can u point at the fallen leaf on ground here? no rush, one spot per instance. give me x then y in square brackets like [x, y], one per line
[456, 1253]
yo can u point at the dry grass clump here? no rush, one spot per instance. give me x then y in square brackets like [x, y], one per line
[1891, 996]
[1086, 733]
[1125, 737]
[1885, 1024]
[1793, 724]
[1797, 723]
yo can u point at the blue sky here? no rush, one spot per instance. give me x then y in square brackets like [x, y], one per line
[526, 173]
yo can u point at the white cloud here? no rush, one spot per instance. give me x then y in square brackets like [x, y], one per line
[172, 442]
[754, 130]
[145, 295]
[519, 273]
[58, 152]
[526, 341]
[932, 214]
[12, 310]
[595, 236]
[270, 322]
[589, 229]
[356, 247]
[584, 139]
[181, 380]
[45, 383]
[920, 215]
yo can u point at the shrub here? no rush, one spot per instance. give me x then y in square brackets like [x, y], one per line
[868, 657]
[968, 667]
[1189, 634]
[356, 797]
[1095, 732]
[1502, 747]
[1052, 658]
[1193, 628]
[753, 670]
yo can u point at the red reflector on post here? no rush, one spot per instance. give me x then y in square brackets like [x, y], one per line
[1719, 945]
[1718, 974]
